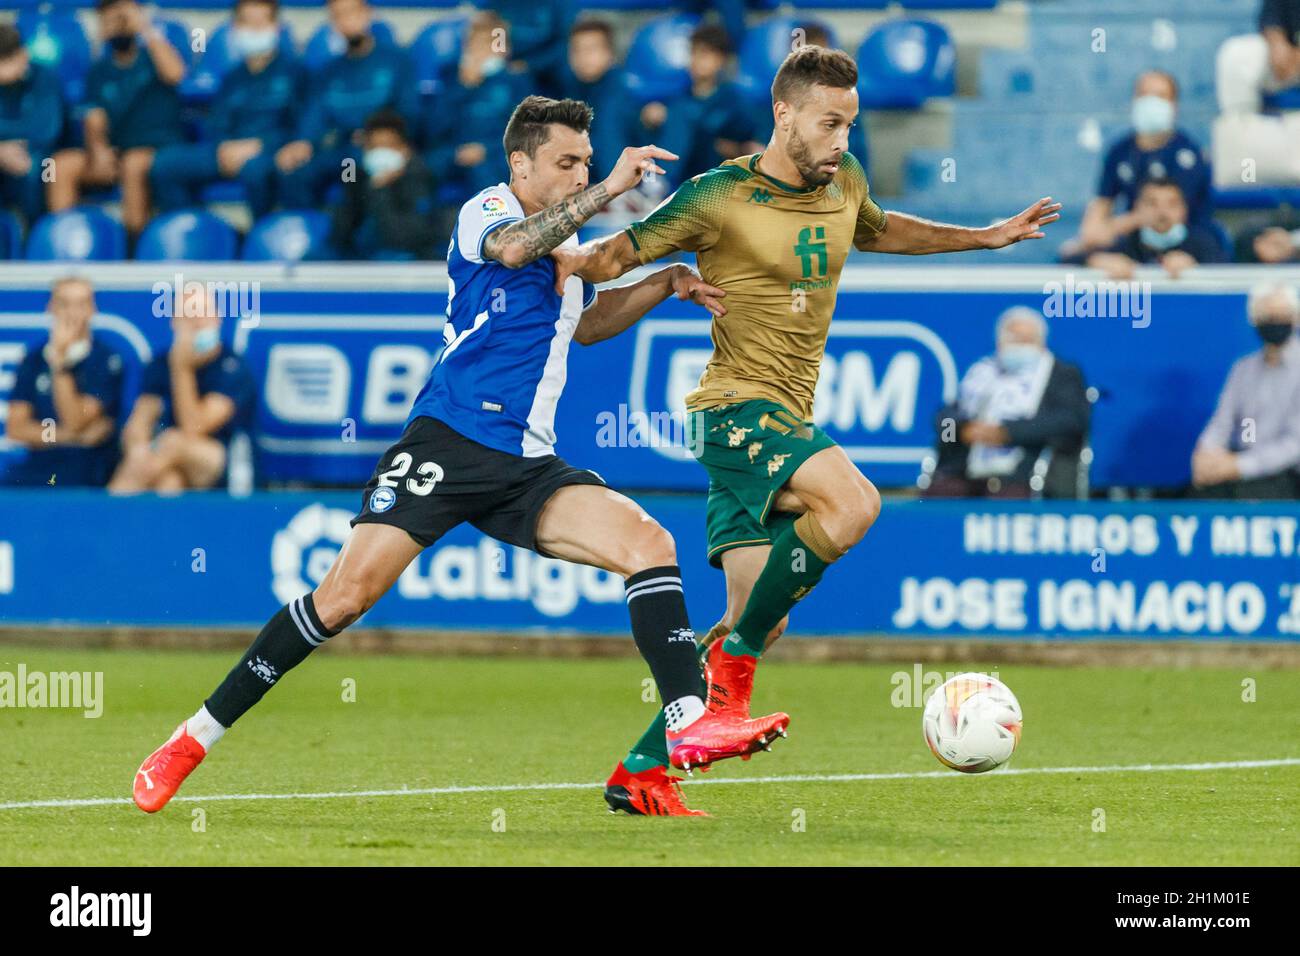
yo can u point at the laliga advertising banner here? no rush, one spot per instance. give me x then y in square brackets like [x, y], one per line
[1154, 571]
[338, 369]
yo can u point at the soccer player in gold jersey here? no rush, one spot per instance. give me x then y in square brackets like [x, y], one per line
[771, 233]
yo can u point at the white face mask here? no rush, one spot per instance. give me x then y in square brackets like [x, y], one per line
[205, 339]
[1153, 114]
[1018, 356]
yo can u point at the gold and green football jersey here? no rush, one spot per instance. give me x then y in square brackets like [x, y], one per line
[777, 250]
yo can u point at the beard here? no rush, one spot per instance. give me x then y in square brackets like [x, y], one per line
[802, 158]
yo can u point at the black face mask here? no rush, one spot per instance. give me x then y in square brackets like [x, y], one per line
[357, 41]
[1275, 333]
[123, 43]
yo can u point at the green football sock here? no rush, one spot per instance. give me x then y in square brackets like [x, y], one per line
[652, 749]
[801, 553]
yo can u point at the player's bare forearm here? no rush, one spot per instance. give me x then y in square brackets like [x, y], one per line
[74, 410]
[605, 259]
[526, 241]
[617, 310]
[914, 236]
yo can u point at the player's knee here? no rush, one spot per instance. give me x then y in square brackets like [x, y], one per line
[339, 603]
[651, 547]
[860, 507]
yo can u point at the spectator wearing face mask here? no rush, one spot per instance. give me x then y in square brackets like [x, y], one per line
[1010, 407]
[31, 119]
[388, 213]
[366, 78]
[463, 126]
[135, 109]
[66, 398]
[192, 402]
[1163, 236]
[1251, 446]
[252, 115]
[1155, 149]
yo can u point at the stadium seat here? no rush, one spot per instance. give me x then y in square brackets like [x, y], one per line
[657, 58]
[288, 237]
[903, 63]
[11, 236]
[202, 82]
[54, 39]
[84, 234]
[435, 52]
[763, 49]
[188, 234]
[325, 44]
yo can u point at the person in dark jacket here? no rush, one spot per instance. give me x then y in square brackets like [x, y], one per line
[252, 115]
[1011, 407]
[1166, 237]
[388, 211]
[31, 119]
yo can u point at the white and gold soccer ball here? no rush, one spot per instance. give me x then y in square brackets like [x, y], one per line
[972, 723]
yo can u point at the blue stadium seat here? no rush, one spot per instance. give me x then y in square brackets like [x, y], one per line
[187, 234]
[84, 234]
[11, 236]
[54, 38]
[288, 237]
[435, 52]
[325, 44]
[903, 63]
[657, 58]
[202, 82]
[763, 49]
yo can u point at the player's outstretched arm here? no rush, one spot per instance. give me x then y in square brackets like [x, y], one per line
[616, 310]
[913, 236]
[526, 241]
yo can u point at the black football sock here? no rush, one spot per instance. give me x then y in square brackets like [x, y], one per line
[288, 637]
[662, 631]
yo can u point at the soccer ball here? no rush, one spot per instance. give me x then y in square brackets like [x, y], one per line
[972, 723]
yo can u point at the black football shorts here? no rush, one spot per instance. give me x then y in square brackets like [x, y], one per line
[434, 478]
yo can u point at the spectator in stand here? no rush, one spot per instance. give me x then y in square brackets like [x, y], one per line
[1251, 446]
[1267, 61]
[464, 123]
[66, 398]
[388, 211]
[368, 77]
[253, 114]
[31, 119]
[593, 75]
[1274, 243]
[192, 402]
[1155, 149]
[1163, 235]
[710, 122]
[535, 32]
[1011, 407]
[134, 110]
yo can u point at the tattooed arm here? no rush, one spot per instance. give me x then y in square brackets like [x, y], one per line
[526, 241]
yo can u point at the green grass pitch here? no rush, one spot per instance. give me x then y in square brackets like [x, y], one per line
[432, 722]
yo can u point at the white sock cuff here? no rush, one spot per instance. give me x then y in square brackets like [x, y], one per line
[683, 712]
[204, 728]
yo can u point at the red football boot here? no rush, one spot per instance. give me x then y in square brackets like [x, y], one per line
[716, 737]
[650, 793]
[164, 770]
[730, 680]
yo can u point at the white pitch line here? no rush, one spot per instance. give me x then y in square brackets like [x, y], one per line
[788, 778]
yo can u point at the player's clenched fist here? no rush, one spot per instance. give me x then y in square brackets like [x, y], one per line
[633, 165]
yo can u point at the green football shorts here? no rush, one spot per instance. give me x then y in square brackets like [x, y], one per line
[750, 449]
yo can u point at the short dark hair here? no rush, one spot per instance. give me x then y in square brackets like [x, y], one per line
[386, 119]
[273, 4]
[528, 124]
[594, 25]
[10, 40]
[813, 65]
[1159, 182]
[712, 36]
[102, 5]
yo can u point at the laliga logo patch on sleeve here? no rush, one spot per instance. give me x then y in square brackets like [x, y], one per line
[494, 207]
